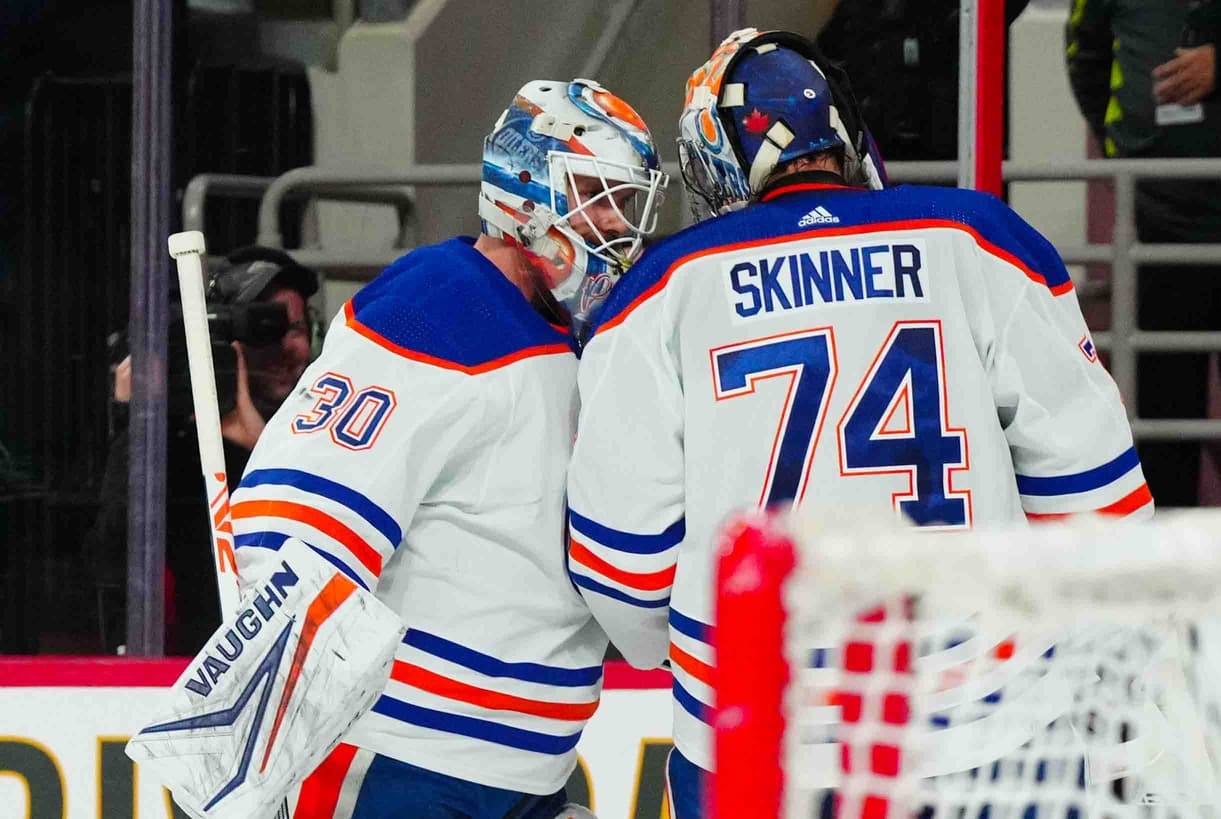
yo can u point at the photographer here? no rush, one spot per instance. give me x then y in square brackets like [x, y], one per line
[262, 335]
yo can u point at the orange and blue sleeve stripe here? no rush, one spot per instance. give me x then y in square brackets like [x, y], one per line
[1116, 487]
[636, 569]
[343, 525]
[491, 686]
[486, 730]
[692, 664]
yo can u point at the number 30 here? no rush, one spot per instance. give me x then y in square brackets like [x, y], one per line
[353, 418]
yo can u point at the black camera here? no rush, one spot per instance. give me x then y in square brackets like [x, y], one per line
[255, 324]
[239, 309]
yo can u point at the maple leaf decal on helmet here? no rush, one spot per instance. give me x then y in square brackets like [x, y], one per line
[756, 122]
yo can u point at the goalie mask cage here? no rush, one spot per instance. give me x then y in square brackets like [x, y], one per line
[1065, 671]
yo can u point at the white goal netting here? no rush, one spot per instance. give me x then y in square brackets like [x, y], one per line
[1067, 671]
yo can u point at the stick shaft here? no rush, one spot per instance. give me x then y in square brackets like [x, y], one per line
[207, 422]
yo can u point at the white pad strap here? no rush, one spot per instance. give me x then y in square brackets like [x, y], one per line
[775, 141]
[838, 126]
[702, 97]
[501, 222]
[507, 226]
[552, 126]
[733, 95]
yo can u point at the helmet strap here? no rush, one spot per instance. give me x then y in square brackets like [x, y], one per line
[496, 223]
[775, 141]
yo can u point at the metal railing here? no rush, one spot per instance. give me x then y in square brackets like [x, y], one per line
[237, 186]
[1124, 340]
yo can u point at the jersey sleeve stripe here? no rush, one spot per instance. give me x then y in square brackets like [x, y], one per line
[433, 361]
[434, 683]
[476, 728]
[1129, 503]
[274, 540]
[629, 541]
[334, 529]
[1085, 481]
[690, 704]
[378, 518]
[261, 540]
[694, 666]
[644, 581]
[493, 667]
[692, 628]
[613, 593]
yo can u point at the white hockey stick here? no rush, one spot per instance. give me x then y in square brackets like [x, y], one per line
[187, 249]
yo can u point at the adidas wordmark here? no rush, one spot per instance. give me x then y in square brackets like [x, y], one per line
[818, 216]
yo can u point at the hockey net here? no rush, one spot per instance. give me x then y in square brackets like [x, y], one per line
[1066, 671]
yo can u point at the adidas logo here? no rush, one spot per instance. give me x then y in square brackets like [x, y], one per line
[818, 216]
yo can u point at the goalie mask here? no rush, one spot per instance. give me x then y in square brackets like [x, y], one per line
[561, 152]
[762, 100]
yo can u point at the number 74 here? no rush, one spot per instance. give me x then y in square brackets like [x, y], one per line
[906, 382]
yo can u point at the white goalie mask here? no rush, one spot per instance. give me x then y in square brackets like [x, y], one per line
[571, 174]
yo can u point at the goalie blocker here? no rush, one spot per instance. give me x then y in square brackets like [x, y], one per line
[273, 692]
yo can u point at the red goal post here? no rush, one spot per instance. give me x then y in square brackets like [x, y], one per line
[1073, 668]
[981, 94]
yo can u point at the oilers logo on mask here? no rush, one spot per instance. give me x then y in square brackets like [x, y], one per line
[273, 692]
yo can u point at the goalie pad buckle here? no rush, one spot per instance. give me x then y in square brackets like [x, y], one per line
[273, 692]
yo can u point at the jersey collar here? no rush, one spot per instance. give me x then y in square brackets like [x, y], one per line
[804, 181]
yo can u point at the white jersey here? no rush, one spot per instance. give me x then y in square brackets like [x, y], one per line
[915, 350]
[424, 454]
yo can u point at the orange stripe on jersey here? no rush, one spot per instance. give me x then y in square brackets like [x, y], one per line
[433, 683]
[641, 581]
[1129, 503]
[697, 668]
[856, 230]
[329, 526]
[425, 358]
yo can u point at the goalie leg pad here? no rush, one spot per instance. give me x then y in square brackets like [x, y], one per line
[276, 688]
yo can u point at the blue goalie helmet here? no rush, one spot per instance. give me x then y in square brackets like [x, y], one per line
[763, 99]
[559, 151]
